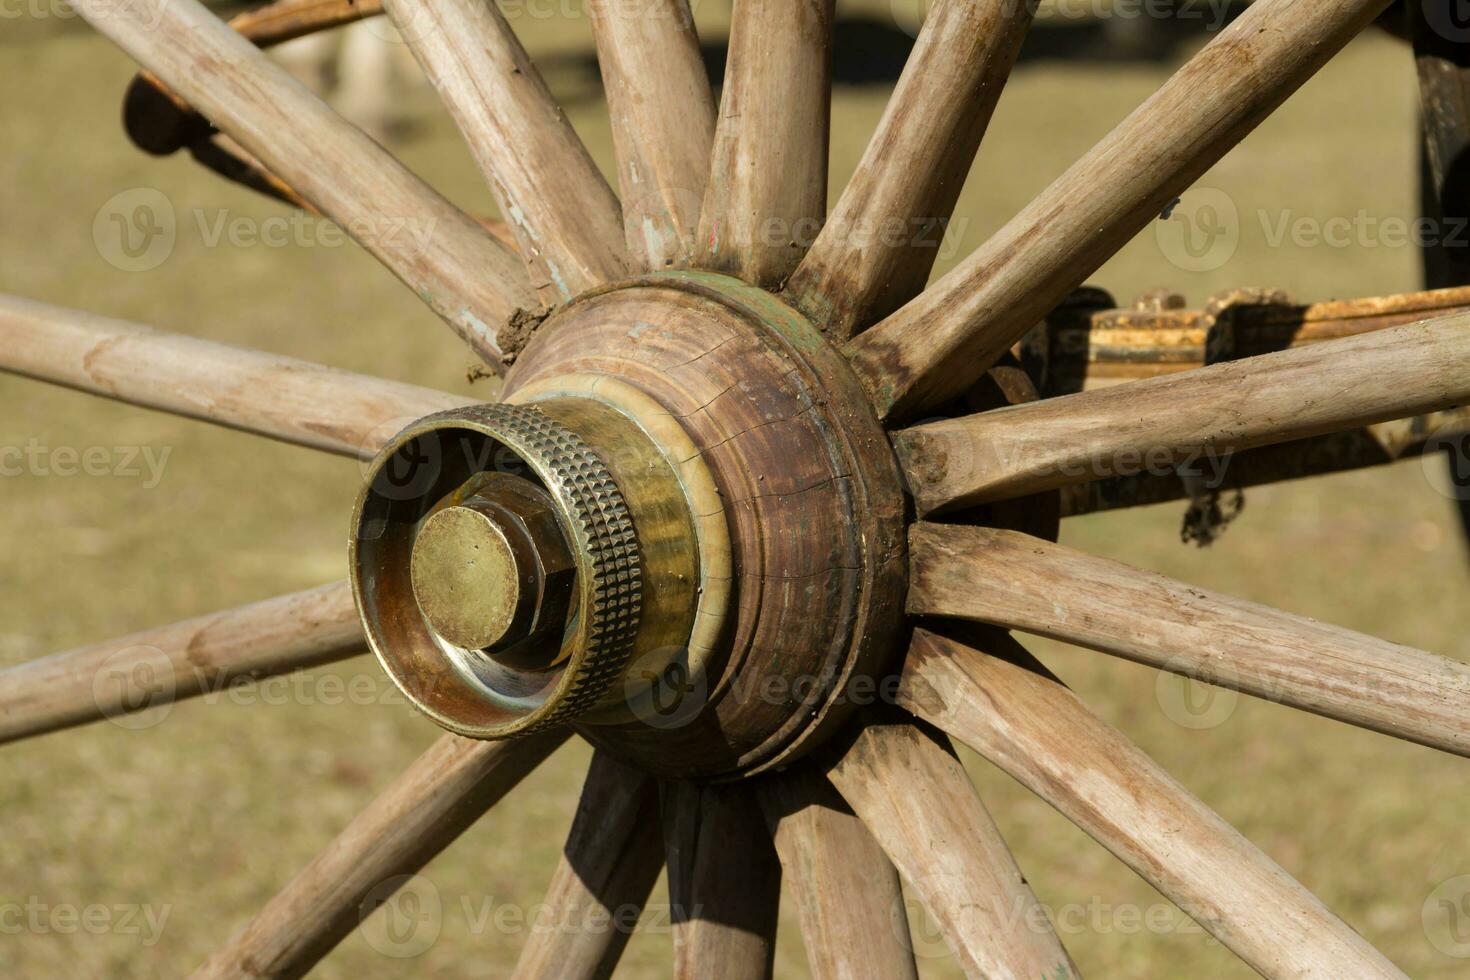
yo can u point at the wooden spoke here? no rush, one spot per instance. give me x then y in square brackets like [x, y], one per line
[909, 789]
[724, 882]
[417, 816]
[1010, 710]
[611, 860]
[453, 264]
[940, 343]
[1214, 411]
[880, 243]
[847, 891]
[170, 663]
[280, 397]
[663, 123]
[1376, 445]
[1017, 581]
[285, 20]
[767, 192]
[565, 216]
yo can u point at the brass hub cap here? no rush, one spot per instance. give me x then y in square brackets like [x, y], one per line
[498, 569]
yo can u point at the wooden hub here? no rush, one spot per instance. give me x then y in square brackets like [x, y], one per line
[738, 508]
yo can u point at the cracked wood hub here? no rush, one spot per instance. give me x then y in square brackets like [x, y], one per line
[732, 515]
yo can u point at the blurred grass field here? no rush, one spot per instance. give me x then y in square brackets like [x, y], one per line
[203, 815]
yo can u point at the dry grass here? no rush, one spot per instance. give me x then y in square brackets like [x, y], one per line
[207, 813]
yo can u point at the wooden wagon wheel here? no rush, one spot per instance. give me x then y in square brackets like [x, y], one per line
[705, 530]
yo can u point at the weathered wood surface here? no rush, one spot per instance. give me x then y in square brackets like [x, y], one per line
[847, 893]
[724, 882]
[1020, 582]
[937, 345]
[286, 20]
[159, 121]
[817, 542]
[1011, 711]
[905, 783]
[566, 218]
[458, 269]
[663, 123]
[878, 246]
[767, 190]
[197, 656]
[1217, 410]
[417, 816]
[612, 857]
[279, 397]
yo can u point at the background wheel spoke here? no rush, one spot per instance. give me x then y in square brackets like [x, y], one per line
[159, 666]
[940, 343]
[449, 261]
[612, 857]
[663, 123]
[1010, 710]
[859, 270]
[417, 816]
[847, 892]
[1257, 401]
[565, 216]
[909, 789]
[724, 882]
[1018, 581]
[280, 397]
[767, 191]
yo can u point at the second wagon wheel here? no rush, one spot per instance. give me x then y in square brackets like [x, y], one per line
[704, 531]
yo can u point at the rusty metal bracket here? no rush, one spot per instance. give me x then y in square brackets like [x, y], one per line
[1089, 343]
[160, 122]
